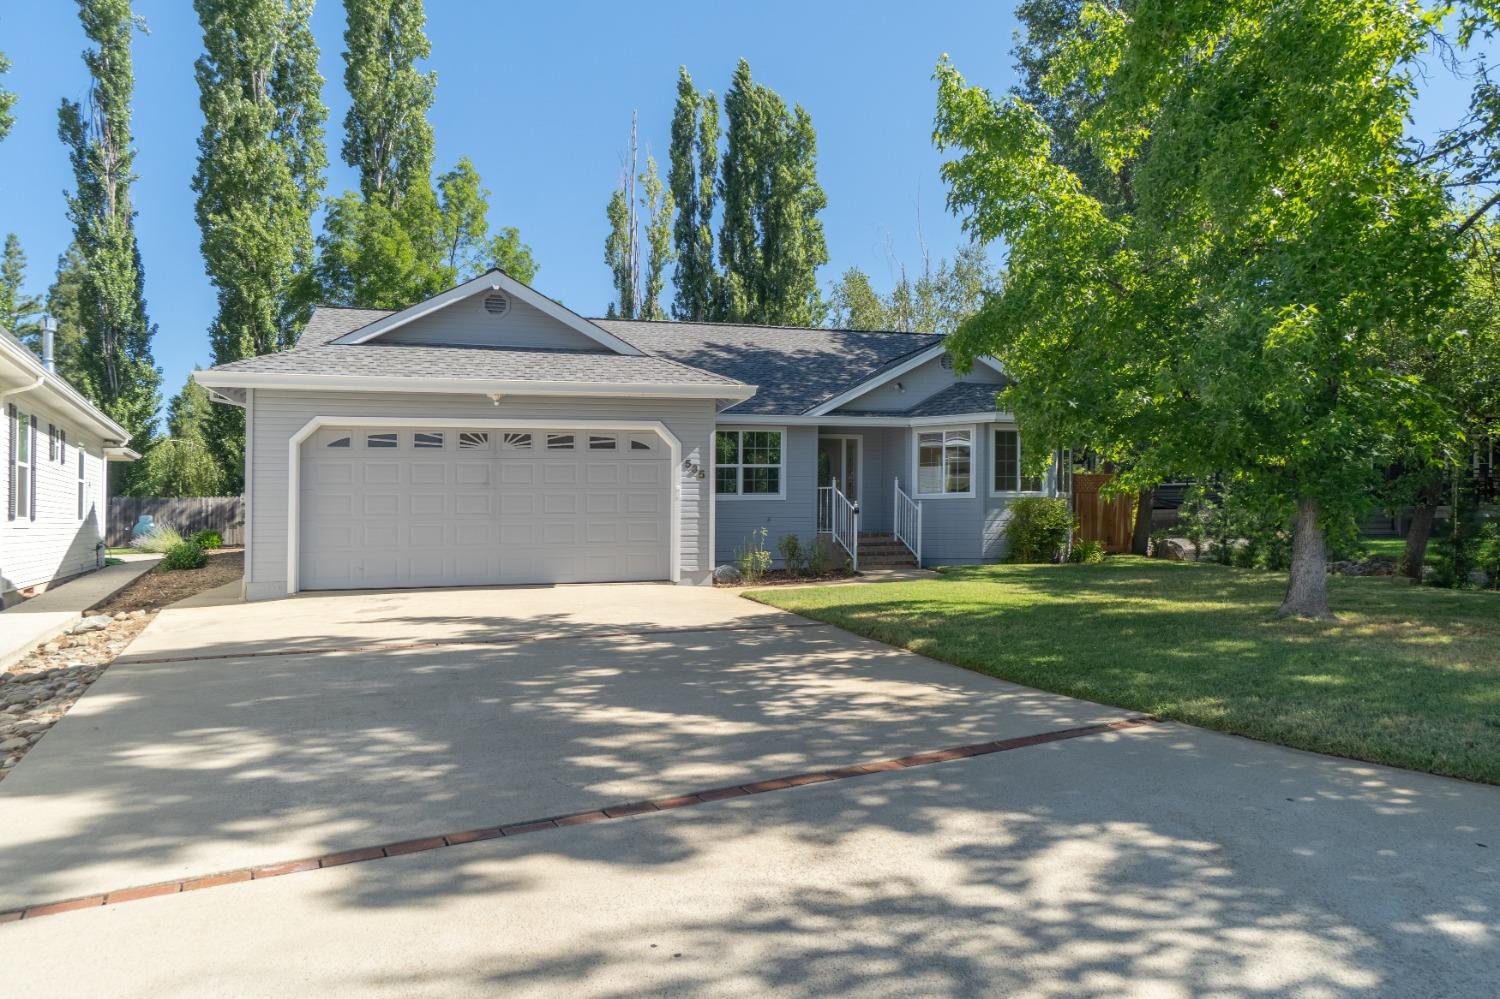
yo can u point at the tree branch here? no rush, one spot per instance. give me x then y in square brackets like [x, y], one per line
[1478, 213]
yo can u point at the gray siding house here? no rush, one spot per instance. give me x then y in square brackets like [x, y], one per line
[491, 436]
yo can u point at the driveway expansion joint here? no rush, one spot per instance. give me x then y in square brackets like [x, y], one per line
[428, 843]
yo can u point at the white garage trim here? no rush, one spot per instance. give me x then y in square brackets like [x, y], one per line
[312, 426]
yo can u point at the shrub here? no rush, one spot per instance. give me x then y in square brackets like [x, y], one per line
[1487, 559]
[208, 539]
[1037, 529]
[753, 560]
[1087, 552]
[817, 559]
[793, 555]
[1159, 543]
[183, 555]
[159, 540]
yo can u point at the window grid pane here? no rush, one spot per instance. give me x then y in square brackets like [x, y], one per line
[1007, 460]
[762, 481]
[727, 480]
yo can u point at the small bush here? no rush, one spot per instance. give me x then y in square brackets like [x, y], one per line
[183, 555]
[817, 559]
[793, 555]
[208, 539]
[159, 540]
[753, 560]
[1037, 529]
[1087, 552]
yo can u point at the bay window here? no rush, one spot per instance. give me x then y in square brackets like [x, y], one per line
[945, 462]
[748, 462]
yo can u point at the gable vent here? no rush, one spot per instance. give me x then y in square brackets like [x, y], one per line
[947, 362]
[496, 304]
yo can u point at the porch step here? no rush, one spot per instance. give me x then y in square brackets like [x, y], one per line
[882, 551]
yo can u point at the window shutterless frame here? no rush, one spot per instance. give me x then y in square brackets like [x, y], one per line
[1006, 475]
[958, 451]
[746, 459]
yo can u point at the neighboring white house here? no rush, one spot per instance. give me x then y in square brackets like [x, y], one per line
[491, 436]
[55, 448]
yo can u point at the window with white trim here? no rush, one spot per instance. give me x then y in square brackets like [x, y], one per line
[82, 484]
[748, 462]
[598, 442]
[428, 439]
[341, 441]
[516, 442]
[380, 441]
[559, 442]
[473, 440]
[23, 466]
[1008, 477]
[945, 462]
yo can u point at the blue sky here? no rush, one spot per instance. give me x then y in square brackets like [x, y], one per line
[540, 96]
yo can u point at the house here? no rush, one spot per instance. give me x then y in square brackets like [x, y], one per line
[56, 447]
[491, 436]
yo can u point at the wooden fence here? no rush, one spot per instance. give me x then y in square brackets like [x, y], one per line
[1103, 519]
[189, 514]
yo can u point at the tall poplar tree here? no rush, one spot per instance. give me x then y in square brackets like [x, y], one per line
[18, 310]
[771, 239]
[7, 101]
[694, 165]
[659, 206]
[115, 367]
[393, 242]
[259, 178]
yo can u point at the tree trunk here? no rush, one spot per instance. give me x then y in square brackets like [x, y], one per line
[1140, 538]
[1417, 535]
[1307, 589]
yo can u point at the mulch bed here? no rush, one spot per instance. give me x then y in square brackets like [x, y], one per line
[39, 690]
[780, 577]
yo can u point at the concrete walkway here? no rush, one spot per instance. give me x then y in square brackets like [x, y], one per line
[29, 624]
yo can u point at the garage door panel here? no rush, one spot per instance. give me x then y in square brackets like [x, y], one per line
[496, 514]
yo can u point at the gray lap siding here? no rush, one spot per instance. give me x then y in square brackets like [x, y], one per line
[276, 416]
[736, 518]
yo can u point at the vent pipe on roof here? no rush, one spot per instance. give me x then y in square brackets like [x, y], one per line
[49, 337]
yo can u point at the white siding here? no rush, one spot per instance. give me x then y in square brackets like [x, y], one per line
[277, 415]
[467, 322]
[57, 544]
[918, 385]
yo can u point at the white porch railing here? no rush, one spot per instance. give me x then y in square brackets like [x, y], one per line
[839, 516]
[907, 517]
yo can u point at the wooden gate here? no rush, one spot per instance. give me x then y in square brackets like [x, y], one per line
[189, 514]
[1109, 520]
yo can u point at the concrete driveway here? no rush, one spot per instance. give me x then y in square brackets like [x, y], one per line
[1154, 861]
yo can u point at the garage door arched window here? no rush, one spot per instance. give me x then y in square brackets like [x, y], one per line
[750, 463]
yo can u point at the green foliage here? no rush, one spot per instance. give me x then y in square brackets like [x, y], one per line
[19, 311]
[936, 301]
[620, 251]
[7, 101]
[114, 366]
[158, 540]
[208, 539]
[258, 181]
[794, 557]
[770, 239]
[178, 466]
[1487, 553]
[1250, 312]
[1158, 544]
[659, 252]
[638, 290]
[818, 563]
[184, 555]
[694, 166]
[401, 238]
[753, 560]
[1086, 552]
[1037, 529]
[63, 306]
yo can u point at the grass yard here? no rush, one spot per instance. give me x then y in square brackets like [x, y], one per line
[1408, 676]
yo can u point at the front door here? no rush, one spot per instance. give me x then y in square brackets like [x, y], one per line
[838, 458]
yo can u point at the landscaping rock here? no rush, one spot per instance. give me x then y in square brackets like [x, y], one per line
[11, 745]
[727, 574]
[96, 623]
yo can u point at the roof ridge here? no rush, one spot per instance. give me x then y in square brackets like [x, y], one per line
[759, 326]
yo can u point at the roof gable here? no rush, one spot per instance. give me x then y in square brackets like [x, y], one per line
[492, 310]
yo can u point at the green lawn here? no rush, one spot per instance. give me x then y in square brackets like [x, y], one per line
[1408, 676]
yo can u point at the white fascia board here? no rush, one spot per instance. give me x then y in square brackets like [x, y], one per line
[835, 420]
[121, 454]
[55, 388]
[911, 363]
[467, 386]
[493, 280]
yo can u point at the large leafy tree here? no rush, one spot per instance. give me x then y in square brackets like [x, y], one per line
[694, 162]
[1247, 315]
[396, 240]
[937, 300]
[114, 365]
[183, 463]
[259, 179]
[770, 239]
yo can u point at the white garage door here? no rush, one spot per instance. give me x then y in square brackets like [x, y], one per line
[446, 506]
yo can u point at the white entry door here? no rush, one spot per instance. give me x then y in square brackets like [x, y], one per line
[446, 506]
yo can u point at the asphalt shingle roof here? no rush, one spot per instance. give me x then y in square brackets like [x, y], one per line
[795, 369]
[958, 398]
